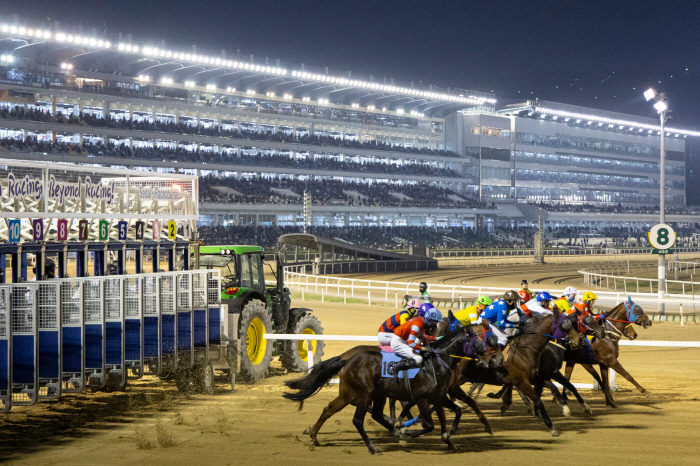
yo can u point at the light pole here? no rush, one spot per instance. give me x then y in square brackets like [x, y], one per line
[661, 106]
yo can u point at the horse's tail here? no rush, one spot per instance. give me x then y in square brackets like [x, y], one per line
[317, 377]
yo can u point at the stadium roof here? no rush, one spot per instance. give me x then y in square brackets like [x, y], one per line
[584, 116]
[62, 49]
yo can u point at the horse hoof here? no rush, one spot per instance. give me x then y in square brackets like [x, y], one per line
[566, 411]
[531, 411]
[488, 429]
[312, 448]
[451, 447]
[376, 451]
[555, 433]
[307, 430]
[647, 393]
[587, 408]
[492, 395]
[403, 443]
[403, 431]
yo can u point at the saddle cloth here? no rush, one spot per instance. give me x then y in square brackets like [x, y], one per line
[389, 360]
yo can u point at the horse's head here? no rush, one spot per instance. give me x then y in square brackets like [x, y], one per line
[586, 325]
[442, 328]
[562, 327]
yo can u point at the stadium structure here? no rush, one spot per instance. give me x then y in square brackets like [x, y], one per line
[266, 137]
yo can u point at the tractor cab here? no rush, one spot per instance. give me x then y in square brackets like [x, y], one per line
[260, 308]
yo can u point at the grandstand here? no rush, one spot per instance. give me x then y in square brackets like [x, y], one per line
[372, 152]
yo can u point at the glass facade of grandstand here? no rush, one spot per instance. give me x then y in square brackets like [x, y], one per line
[370, 153]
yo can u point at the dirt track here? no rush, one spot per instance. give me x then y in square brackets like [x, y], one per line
[256, 425]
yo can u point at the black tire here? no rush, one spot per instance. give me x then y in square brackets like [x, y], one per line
[256, 352]
[203, 378]
[295, 358]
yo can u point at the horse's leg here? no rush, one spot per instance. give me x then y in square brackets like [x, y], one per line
[428, 426]
[567, 373]
[359, 421]
[333, 407]
[609, 400]
[526, 400]
[405, 412]
[498, 394]
[559, 377]
[528, 390]
[617, 367]
[476, 386]
[440, 411]
[392, 411]
[539, 387]
[463, 397]
[507, 399]
[451, 405]
[591, 370]
[378, 414]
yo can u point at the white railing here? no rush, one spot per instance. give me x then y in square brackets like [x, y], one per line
[392, 292]
[309, 339]
[611, 277]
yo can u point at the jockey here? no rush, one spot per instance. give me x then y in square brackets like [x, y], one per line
[525, 293]
[386, 330]
[406, 339]
[497, 315]
[424, 308]
[565, 302]
[423, 289]
[585, 307]
[539, 305]
[470, 314]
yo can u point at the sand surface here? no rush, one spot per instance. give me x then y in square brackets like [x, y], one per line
[255, 425]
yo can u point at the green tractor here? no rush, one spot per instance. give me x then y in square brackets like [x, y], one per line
[261, 309]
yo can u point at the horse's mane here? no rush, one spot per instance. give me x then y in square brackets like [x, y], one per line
[450, 336]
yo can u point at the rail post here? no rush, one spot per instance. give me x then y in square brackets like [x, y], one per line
[345, 295]
[396, 299]
[681, 307]
[323, 295]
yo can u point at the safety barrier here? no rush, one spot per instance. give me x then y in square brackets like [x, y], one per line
[61, 335]
[596, 276]
[309, 339]
[392, 292]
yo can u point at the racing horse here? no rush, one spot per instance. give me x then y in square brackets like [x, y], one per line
[617, 323]
[524, 360]
[362, 383]
[470, 364]
[551, 362]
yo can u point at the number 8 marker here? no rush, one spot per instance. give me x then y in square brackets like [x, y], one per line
[662, 236]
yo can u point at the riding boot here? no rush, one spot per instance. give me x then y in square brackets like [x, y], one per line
[405, 364]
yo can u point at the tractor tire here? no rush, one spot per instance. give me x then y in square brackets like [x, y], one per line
[296, 358]
[256, 352]
[203, 378]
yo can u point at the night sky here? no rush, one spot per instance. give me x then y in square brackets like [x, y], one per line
[601, 54]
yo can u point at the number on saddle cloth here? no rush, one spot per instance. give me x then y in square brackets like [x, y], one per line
[389, 360]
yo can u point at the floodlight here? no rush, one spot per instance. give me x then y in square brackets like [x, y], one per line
[660, 106]
[649, 94]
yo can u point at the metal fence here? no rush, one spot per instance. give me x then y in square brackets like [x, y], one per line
[60, 335]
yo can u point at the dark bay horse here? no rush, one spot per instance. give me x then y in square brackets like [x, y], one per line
[617, 323]
[362, 384]
[551, 362]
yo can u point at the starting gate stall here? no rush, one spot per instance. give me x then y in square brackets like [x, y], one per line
[94, 312]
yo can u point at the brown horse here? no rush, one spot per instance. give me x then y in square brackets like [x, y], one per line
[362, 384]
[617, 323]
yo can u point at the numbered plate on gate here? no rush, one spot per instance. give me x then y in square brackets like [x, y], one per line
[140, 227]
[38, 227]
[83, 230]
[156, 230]
[122, 229]
[172, 229]
[662, 236]
[62, 230]
[15, 230]
[103, 230]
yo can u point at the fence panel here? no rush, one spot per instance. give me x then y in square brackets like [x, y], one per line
[5, 349]
[24, 345]
[49, 340]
